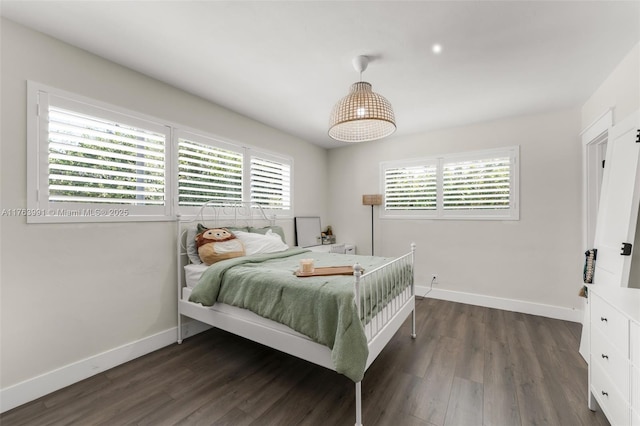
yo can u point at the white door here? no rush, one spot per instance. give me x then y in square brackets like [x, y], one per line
[619, 200]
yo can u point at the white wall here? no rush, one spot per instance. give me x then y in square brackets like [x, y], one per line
[620, 90]
[533, 263]
[74, 291]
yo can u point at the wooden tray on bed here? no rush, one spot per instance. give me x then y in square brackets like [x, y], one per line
[327, 270]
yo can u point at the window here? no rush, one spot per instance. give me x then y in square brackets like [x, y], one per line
[410, 188]
[479, 185]
[206, 172]
[209, 168]
[96, 160]
[270, 182]
[92, 162]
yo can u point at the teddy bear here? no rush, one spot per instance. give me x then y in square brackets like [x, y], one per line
[217, 244]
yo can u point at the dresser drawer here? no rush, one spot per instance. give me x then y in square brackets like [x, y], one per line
[613, 364]
[610, 400]
[611, 323]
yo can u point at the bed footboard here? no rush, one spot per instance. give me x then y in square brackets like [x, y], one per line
[384, 297]
[383, 292]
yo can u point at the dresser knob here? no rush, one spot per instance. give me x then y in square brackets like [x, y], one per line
[603, 319]
[605, 393]
[605, 356]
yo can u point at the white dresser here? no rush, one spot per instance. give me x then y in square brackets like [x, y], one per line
[614, 353]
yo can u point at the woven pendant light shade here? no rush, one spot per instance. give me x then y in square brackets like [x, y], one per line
[361, 116]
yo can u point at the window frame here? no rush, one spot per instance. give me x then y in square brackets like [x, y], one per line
[274, 158]
[511, 213]
[247, 152]
[40, 210]
[407, 214]
[203, 139]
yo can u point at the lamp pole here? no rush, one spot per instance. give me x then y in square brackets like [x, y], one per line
[372, 252]
[372, 200]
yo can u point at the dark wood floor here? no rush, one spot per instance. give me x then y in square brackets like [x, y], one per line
[469, 366]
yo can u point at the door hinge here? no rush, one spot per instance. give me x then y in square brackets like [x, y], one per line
[603, 163]
[626, 249]
[638, 137]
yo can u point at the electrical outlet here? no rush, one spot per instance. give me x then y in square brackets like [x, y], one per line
[434, 278]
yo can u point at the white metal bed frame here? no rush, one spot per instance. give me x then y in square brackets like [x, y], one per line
[379, 330]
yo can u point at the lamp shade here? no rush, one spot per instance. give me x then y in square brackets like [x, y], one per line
[372, 199]
[361, 116]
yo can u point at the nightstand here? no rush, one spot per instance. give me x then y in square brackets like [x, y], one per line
[329, 248]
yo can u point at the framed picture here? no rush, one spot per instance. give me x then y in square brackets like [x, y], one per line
[308, 231]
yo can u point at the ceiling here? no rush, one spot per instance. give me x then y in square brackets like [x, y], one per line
[286, 63]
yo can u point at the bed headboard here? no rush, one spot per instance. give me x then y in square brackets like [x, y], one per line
[218, 214]
[223, 213]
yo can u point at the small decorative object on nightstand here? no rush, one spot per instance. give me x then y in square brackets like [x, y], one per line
[328, 237]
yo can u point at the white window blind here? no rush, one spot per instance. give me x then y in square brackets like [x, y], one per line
[206, 172]
[89, 161]
[94, 160]
[410, 188]
[270, 183]
[477, 184]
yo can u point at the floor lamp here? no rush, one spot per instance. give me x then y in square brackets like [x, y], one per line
[372, 200]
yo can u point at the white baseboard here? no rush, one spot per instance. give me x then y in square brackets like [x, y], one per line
[549, 311]
[34, 388]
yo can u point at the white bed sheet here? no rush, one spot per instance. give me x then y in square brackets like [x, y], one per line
[192, 274]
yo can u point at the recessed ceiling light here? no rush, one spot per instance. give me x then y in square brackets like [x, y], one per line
[436, 48]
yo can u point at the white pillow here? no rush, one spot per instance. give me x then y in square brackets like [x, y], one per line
[270, 242]
[192, 248]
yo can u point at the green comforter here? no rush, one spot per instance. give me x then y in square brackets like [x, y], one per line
[322, 308]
